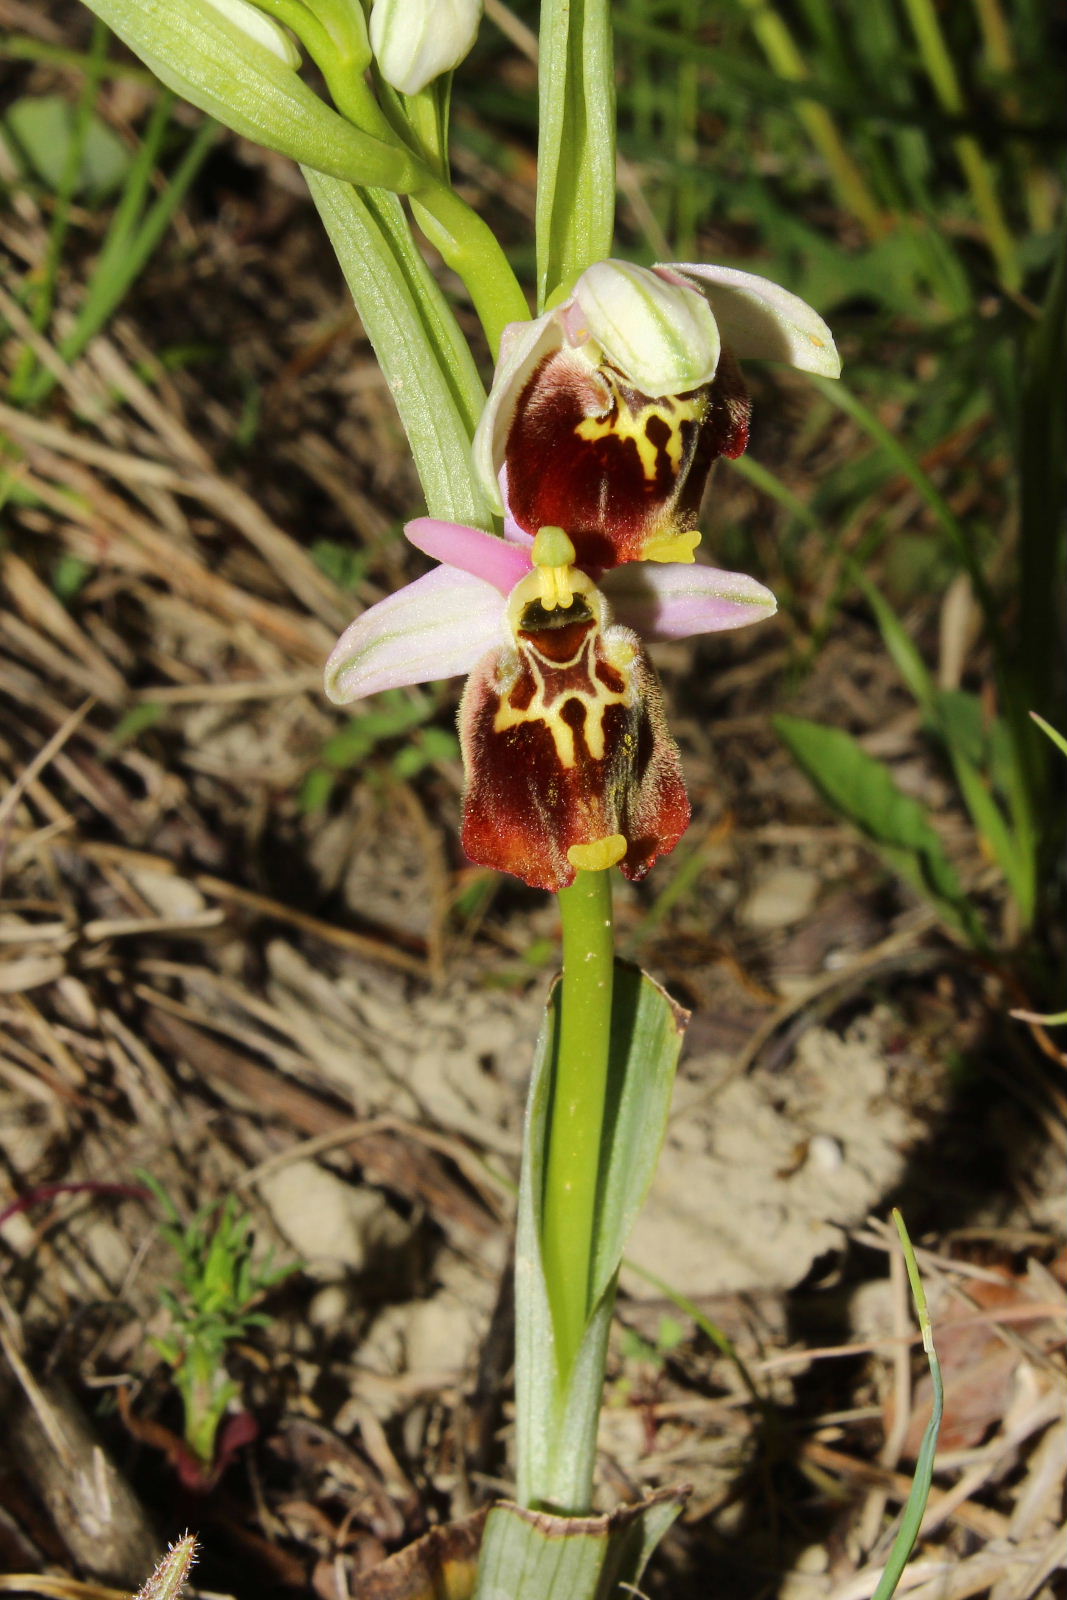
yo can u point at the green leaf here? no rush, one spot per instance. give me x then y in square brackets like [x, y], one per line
[315, 791]
[439, 744]
[529, 1555]
[424, 356]
[576, 143]
[957, 718]
[208, 59]
[44, 133]
[557, 1427]
[862, 789]
[395, 713]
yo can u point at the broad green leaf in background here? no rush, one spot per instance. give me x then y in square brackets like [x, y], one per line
[864, 791]
[557, 1423]
[576, 143]
[956, 718]
[41, 130]
[424, 356]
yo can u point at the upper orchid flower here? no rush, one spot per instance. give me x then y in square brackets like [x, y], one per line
[568, 759]
[607, 412]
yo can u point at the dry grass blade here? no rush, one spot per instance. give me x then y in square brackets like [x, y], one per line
[41, 760]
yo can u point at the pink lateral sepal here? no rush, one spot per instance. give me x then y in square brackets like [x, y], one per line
[483, 555]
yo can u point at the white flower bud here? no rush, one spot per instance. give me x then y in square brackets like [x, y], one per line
[262, 28]
[415, 41]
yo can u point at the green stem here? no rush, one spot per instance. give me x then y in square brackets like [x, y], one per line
[473, 251]
[576, 1116]
[468, 245]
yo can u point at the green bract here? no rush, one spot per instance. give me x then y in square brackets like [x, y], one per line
[210, 56]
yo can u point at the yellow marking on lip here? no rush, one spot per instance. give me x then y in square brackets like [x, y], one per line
[596, 699]
[626, 425]
[595, 696]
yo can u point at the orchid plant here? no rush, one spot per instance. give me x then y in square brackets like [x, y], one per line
[564, 517]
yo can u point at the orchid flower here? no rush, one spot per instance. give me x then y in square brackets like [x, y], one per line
[607, 412]
[569, 763]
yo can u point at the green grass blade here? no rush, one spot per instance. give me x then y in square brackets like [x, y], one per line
[136, 189]
[711, 1330]
[782, 52]
[130, 242]
[45, 288]
[904, 1543]
[942, 74]
[1053, 733]
[762, 478]
[1041, 428]
[841, 396]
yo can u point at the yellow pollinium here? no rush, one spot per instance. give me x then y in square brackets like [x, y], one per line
[553, 556]
[598, 854]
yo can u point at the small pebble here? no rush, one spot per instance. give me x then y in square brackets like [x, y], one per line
[826, 1153]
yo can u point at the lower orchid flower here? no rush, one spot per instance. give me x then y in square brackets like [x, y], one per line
[568, 759]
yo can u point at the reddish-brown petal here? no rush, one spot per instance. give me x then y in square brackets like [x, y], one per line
[566, 749]
[621, 473]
